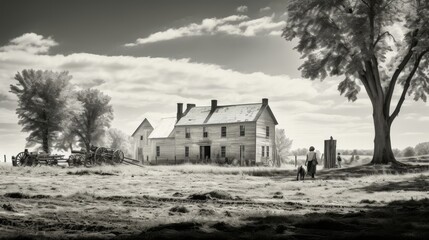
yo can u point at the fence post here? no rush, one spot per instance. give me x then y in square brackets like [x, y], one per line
[156, 160]
[5, 158]
[175, 160]
[296, 160]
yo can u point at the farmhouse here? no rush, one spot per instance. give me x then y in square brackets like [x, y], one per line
[215, 133]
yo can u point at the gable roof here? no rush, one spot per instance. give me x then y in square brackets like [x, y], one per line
[145, 121]
[224, 114]
[164, 128]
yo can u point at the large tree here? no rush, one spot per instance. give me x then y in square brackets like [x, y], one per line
[44, 103]
[90, 125]
[377, 44]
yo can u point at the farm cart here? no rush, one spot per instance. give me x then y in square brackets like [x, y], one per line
[27, 158]
[96, 156]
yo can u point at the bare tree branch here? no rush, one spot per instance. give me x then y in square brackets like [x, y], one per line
[380, 36]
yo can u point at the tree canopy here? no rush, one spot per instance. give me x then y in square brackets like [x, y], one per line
[116, 139]
[374, 44]
[44, 103]
[90, 125]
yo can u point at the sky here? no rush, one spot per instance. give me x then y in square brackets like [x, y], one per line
[150, 55]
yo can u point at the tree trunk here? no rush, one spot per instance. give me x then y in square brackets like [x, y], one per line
[45, 134]
[45, 141]
[383, 153]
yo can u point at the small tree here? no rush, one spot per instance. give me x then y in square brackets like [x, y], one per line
[283, 145]
[352, 38]
[422, 148]
[409, 152]
[396, 152]
[91, 124]
[300, 151]
[44, 103]
[116, 139]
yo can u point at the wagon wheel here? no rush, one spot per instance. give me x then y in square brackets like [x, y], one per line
[20, 159]
[80, 159]
[32, 161]
[118, 156]
[74, 160]
[99, 155]
[270, 163]
[71, 160]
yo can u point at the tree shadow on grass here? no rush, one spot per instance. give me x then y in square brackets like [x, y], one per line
[419, 184]
[396, 220]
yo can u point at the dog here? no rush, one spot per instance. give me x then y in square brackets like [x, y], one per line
[301, 173]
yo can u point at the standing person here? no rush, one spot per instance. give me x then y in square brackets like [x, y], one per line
[339, 160]
[311, 162]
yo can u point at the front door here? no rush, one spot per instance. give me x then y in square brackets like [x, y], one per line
[205, 152]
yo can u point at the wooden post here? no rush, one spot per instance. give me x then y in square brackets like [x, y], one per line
[296, 160]
[5, 158]
[330, 153]
[175, 160]
[156, 160]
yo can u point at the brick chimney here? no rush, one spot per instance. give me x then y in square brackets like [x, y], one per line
[264, 101]
[188, 107]
[214, 105]
[179, 111]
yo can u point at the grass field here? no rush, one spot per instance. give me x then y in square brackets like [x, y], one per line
[212, 202]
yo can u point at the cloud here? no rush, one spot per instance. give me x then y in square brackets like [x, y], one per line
[3, 97]
[233, 25]
[93, 83]
[265, 9]
[424, 119]
[242, 9]
[30, 43]
[276, 33]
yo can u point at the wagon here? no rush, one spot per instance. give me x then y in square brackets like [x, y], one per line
[27, 158]
[96, 156]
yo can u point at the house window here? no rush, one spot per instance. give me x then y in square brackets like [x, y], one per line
[268, 151]
[222, 151]
[263, 151]
[223, 132]
[267, 131]
[242, 130]
[141, 138]
[187, 133]
[205, 133]
[186, 151]
[158, 151]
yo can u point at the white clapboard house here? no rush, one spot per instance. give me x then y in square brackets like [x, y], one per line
[241, 132]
